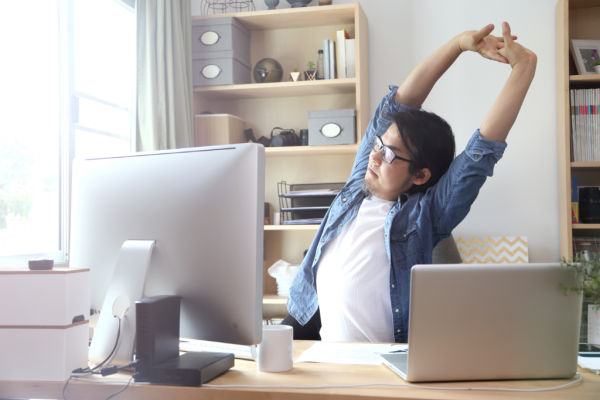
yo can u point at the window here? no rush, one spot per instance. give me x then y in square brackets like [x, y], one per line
[66, 91]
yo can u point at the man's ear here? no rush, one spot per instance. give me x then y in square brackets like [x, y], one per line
[421, 177]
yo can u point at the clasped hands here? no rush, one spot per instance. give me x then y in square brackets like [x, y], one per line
[503, 49]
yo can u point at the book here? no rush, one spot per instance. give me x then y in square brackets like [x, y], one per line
[350, 58]
[574, 201]
[585, 124]
[340, 56]
[326, 59]
[332, 59]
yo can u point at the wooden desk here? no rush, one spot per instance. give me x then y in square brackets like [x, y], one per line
[245, 373]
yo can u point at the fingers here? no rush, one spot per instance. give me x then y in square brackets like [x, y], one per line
[483, 32]
[506, 32]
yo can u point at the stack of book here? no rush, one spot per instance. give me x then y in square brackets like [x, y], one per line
[339, 56]
[585, 124]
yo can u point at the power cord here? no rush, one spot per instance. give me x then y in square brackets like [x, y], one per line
[82, 372]
[110, 355]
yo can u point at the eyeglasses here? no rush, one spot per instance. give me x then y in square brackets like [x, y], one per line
[388, 154]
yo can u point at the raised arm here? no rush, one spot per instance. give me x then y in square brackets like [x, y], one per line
[504, 111]
[415, 89]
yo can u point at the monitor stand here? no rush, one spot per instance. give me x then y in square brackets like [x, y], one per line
[126, 287]
[188, 369]
[157, 349]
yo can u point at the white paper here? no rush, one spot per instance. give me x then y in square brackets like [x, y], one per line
[238, 350]
[591, 363]
[348, 353]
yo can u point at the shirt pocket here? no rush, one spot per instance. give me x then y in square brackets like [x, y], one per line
[403, 235]
[404, 248]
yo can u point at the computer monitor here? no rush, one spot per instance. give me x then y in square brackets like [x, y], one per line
[203, 207]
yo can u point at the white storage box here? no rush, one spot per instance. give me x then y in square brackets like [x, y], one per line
[43, 323]
[43, 353]
[218, 129]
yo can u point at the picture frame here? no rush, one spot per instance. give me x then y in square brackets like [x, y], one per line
[585, 53]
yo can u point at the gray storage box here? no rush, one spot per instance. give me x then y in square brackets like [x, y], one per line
[219, 68]
[220, 34]
[331, 127]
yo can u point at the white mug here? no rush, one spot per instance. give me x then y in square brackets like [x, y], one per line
[275, 352]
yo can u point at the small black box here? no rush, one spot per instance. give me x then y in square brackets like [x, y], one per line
[190, 369]
[157, 330]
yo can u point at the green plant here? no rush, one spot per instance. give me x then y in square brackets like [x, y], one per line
[597, 62]
[588, 274]
[310, 66]
[295, 69]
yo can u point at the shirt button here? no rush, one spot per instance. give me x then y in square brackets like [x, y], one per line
[322, 241]
[398, 330]
[393, 286]
[397, 310]
[392, 212]
[343, 199]
[405, 235]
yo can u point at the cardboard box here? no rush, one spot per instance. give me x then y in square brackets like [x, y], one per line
[218, 129]
[213, 35]
[43, 323]
[220, 68]
[330, 127]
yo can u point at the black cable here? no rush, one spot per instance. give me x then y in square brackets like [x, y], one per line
[115, 394]
[64, 389]
[89, 370]
[93, 370]
[113, 349]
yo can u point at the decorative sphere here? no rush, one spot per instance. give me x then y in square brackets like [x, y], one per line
[267, 70]
[298, 3]
[271, 4]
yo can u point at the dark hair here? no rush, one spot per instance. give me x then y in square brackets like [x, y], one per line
[429, 141]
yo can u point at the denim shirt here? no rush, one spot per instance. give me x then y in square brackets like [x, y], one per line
[414, 225]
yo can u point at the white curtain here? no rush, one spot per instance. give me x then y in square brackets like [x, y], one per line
[164, 99]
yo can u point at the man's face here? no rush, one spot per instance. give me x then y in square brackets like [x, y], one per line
[388, 181]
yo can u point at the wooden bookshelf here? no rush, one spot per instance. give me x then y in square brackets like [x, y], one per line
[575, 19]
[293, 36]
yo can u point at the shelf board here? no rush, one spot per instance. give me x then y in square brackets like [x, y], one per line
[278, 89]
[311, 150]
[299, 17]
[585, 78]
[274, 299]
[585, 226]
[583, 4]
[282, 228]
[594, 164]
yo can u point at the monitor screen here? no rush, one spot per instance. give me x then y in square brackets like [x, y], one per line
[203, 207]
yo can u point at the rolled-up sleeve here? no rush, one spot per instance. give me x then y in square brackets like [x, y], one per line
[379, 123]
[456, 191]
[478, 147]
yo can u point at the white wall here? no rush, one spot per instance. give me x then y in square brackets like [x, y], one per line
[521, 197]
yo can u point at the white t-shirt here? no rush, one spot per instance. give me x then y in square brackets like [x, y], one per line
[353, 279]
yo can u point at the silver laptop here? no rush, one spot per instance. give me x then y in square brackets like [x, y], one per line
[489, 322]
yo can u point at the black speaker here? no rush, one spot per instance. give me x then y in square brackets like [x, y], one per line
[157, 334]
[589, 204]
